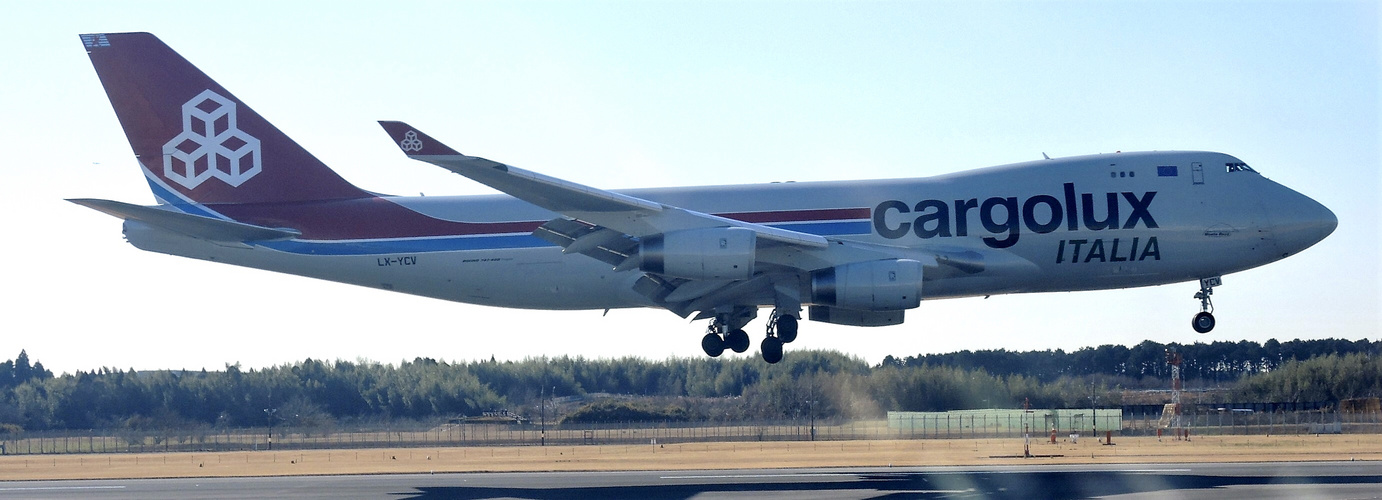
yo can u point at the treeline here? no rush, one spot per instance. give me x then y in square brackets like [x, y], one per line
[1217, 361]
[807, 383]
[1325, 378]
[18, 371]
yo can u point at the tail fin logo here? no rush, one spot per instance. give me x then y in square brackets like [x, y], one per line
[211, 145]
[410, 142]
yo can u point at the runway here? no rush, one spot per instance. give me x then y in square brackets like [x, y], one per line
[1216, 481]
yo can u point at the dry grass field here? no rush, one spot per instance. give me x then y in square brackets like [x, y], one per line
[692, 456]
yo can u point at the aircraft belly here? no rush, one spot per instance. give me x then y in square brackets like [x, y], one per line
[1109, 260]
[1102, 260]
[534, 278]
[537, 278]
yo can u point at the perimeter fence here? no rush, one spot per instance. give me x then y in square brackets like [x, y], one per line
[976, 424]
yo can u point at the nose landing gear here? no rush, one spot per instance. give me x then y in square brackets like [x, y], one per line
[1204, 321]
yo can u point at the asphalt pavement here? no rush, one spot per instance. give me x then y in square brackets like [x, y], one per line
[1217, 481]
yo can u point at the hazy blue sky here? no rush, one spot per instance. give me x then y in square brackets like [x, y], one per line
[634, 94]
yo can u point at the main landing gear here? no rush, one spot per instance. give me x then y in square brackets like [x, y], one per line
[723, 334]
[1204, 321]
[782, 329]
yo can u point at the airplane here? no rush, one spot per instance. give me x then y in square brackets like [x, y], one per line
[234, 189]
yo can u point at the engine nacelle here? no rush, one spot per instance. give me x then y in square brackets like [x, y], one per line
[880, 285]
[851, 317]
[720, 253]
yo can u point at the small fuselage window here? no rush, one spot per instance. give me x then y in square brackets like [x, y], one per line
[1238, 167]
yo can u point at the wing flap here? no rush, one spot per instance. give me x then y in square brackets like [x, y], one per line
[603, 244]
[695, 289]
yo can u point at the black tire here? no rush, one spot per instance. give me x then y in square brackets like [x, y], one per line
[737, 340]
[772, 350]
[1203, 323]
[787, 329]
[712, 344]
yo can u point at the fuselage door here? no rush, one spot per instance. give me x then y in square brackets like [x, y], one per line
[1197, 172]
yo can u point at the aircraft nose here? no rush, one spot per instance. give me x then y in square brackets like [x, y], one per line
[1328, 222]
[1300, 222]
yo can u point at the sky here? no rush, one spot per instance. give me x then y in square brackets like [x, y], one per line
[644, 94]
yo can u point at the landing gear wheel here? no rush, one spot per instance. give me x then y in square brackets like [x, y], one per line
[1204, 322]
[712, 344]
[787, 329]
[737, 340]
[772, 349]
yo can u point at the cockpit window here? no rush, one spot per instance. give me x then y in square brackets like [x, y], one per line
[1238, 167]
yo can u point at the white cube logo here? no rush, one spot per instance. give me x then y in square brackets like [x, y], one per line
[210, 145]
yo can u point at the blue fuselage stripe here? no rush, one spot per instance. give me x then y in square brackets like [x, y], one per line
[177, 201]
[407, 245]
[498, 241]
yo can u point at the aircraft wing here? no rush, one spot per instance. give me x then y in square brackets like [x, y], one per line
[609, 226]
[628, 215]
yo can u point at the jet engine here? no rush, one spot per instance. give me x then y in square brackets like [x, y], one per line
[880, 285]
[720, 253]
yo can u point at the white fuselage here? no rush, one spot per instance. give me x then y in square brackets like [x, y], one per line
[1181, 216]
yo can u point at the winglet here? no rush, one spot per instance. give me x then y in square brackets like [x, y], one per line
[414, 142]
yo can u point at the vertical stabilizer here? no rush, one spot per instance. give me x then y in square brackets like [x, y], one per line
[196, 141]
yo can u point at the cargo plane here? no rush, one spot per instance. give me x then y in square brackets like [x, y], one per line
[232, 188]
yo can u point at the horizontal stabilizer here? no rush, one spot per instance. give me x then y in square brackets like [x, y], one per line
[191, 225]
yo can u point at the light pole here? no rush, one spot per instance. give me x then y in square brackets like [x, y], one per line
[269, 413]
[811, 406]
[542, 414]
[542, 403]
[1094, 408]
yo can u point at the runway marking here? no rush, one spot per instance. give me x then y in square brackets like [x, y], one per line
[760, 476]
[1128, 471]
[58, 488]
[840, 475]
